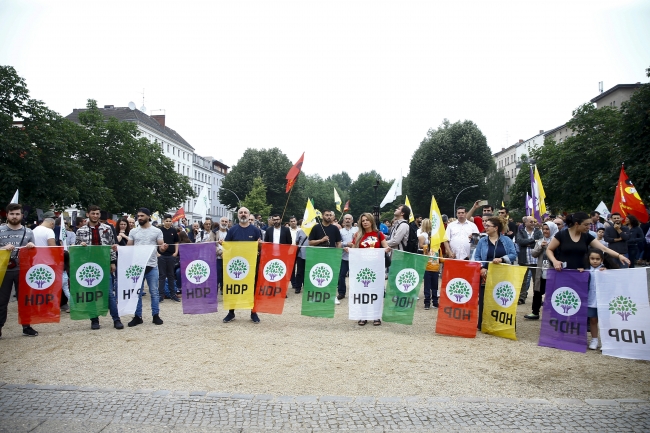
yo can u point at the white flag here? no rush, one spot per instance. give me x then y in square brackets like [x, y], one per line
[367, 279]
[202, 204]
[131, 263]
[393, 192]
[15, 198]
[602, 210]
[63, 234]
[624, 312]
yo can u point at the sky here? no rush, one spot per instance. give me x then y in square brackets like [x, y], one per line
[355, 85]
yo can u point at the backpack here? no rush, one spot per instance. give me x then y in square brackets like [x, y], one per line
[412, 243]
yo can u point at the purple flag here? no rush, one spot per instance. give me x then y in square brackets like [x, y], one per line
[564, 322]
[199, 278]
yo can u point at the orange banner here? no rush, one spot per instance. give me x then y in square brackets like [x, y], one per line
[39, 294]
[273, 277]
[458, 303]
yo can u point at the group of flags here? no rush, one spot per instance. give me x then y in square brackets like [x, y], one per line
[622, 295]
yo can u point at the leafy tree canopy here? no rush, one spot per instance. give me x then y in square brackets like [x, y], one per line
[255, 200]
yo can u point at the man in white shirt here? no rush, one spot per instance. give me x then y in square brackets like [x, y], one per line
[44, 234]
[347, 240]
[460, 234]
[219, 236]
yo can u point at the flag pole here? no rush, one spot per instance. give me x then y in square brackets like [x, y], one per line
[285, 205]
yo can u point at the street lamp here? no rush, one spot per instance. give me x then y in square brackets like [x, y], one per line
[375, 208]
[473, 186]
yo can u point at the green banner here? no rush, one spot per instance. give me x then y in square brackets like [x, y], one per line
[322, 267]
[90, 277]
[405, 276]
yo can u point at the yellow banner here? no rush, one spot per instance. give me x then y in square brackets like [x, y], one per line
[502, 289]
[239, 269]
[4, 261]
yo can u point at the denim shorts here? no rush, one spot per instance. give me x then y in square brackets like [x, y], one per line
[592, 312]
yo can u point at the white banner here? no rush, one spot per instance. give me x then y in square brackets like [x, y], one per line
[367, 281]
[131, 263]
[624, 312]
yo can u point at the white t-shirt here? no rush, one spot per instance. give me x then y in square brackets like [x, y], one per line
[458, 235]
[41, 235]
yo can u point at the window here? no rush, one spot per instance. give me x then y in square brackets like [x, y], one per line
[168, 148]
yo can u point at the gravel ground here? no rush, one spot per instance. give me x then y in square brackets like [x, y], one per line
[291, 354]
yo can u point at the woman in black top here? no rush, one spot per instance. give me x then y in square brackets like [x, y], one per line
[636, 236]
[122, 231]
[571, 245]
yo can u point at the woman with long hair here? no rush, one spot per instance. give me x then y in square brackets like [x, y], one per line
[122, 229]
[369, 236]
[432, 270]
[493, 248]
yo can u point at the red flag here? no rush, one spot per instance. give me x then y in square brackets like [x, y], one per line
[41, 275]
[273, 277]
[347, 206]
[627, 200]
[458, 310]
[294, 172]
[180, 214]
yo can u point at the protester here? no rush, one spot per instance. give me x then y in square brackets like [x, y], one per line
[399, 233]
[205, 234]
[486, 212]
[369, 236]
[167, 260]
[616, 236]
[636, 236]
[147, 234]
[433, 265]
[595, 222]
[192, 233]
[244, 231]
[493, 248]
[123, 230]
[600, 236]
[96, 233]
[595, 261]
[44, 234]
[526, 239]
[511, 227]
[572, 244]
[276, 233]
[459, 234]
[301, 239]
[14, 235]
[219, 237]
[326, 234]
[347, 237]
[549, 229]
[293, 228]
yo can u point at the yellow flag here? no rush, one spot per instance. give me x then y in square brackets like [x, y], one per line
[502, 205]
[4, 261]
[239, 265]
[337, 200]
[541, 194]
[408, 203]
[309, 218]
[438, 233]
[500, 300]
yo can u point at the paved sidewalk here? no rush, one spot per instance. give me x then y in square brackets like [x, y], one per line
[70, 409]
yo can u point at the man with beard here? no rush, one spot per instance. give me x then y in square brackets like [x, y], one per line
[325, 234]
[220, 236]
[12, 236]
[147, 234]
[167, 260]
[277, 233]
[347, 240]
[242, 232]
[96, 233]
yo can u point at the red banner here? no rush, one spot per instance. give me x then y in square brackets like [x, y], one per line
[273, 277]
[294, 172]
[39, 294]
[458, 303]
[180, 214]
[627, 200]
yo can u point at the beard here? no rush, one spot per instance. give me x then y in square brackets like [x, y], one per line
[243, 220]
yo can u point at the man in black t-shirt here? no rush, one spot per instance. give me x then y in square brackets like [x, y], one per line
[167, 259]
[325, 234]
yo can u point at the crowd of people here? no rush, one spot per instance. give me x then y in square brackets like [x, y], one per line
[574, 241]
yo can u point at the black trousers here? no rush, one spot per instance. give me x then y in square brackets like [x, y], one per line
[11, 279]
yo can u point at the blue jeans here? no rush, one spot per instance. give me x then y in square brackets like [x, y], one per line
[112, 299]
[430, 288]
[152, 282]
[621, 264]
[345, 267]
[526, 284]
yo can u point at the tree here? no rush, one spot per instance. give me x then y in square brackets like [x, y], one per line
[450, 158]
[134, 169]
[635, 139]
[495, 182]
[362, 193]
[272, 165]
[41, 156]
[521, 187]
[255, 200]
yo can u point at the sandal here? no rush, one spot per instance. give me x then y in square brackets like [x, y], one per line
[376, 322]
[362, 322]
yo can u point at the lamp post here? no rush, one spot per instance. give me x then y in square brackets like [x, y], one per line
[375, 208]
[229, 190]
[473, 186]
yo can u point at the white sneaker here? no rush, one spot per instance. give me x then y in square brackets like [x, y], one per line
[594, 344]
[336, 301]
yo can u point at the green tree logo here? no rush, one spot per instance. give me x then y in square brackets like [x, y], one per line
[366, 276]
[435, 222]
[321, 273]
[274, 270]
[623, 306]
[406, 280]
[459, 289]
[504, 292]
[90, 273]
[566, 301]
[40, 277]
[134, 272]
[198, 270]
[238, 268]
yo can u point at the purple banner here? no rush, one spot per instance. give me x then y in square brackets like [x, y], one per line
[564, 320]
[199, 278]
